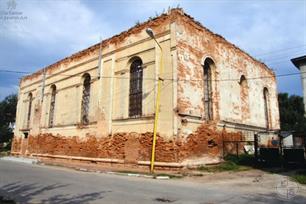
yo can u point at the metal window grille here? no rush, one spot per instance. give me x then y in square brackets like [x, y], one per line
[135, 94]
[207, 92]
[30, 99]
[52, 106]
[85, 100]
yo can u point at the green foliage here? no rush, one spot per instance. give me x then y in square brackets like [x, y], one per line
[300, 177]
[231, 163]
[292, 111]
[224, 166]
[7, 117]
[228, 166]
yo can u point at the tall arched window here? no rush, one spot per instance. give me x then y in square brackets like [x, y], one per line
[267, 107]
[208, 104]
[30, 99]
[52, 105]
[135, 95]
[244, 97]
[85, 100]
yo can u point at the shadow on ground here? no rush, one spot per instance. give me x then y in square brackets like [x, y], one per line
[32, 193]
[273, 198]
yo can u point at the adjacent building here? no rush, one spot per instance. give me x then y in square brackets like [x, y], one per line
[100, 107]
[300, 63]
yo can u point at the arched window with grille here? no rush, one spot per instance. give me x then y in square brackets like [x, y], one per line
[135, 93]
[85, 100]
[52, 105]
[30, 99]
[266, 107]
[207, 79]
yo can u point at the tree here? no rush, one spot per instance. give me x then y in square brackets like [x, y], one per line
[292, 112]
[7, 117]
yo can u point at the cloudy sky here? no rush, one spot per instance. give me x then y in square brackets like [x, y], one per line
[48, 30]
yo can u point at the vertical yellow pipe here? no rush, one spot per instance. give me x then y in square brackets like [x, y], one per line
[156, 107]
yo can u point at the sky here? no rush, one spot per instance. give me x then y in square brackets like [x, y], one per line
[37, 33]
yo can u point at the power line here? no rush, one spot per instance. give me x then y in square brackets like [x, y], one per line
[283, 56]
[281, 50]
[171, 79]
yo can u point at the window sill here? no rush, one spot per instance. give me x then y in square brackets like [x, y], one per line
[143, 117]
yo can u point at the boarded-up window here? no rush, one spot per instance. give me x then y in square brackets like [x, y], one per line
[267, 107]
[52, 105]
[135, 94]
[85, 100]
[30, 99]
[208, 105]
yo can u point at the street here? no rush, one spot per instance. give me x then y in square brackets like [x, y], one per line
[27, 183]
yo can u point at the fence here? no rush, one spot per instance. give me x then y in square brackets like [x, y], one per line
[236, 147]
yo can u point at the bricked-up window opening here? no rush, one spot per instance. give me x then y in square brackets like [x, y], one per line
[208, 106]
[85, 100]
[135, 95]
[30, 99]
[267, 108]
[52, 106]
[244, 96]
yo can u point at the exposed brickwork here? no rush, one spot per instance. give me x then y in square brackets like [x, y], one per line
[16, 144]
[133, 147]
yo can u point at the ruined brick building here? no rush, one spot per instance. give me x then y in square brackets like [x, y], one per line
[211, 91]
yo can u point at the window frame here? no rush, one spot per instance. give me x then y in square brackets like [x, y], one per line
[136, 88]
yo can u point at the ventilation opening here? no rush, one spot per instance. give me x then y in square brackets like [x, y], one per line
[211, 143]
[26, 135]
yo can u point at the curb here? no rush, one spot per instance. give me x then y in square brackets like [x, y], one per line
[139, 175]
[20, 159]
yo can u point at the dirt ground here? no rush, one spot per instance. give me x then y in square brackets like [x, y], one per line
[254, 180]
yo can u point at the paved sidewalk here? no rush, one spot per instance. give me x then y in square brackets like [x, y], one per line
[19, 159]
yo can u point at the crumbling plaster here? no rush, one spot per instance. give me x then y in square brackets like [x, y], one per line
[181, 127]
[195, 44]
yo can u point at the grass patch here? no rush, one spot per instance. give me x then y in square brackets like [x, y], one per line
[4, 153]
[231, 163]
[300, 177]
[225, 166]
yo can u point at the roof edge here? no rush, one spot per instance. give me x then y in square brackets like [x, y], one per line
[126, 33]
[298, 61]
[104, 43]
[225, 40]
